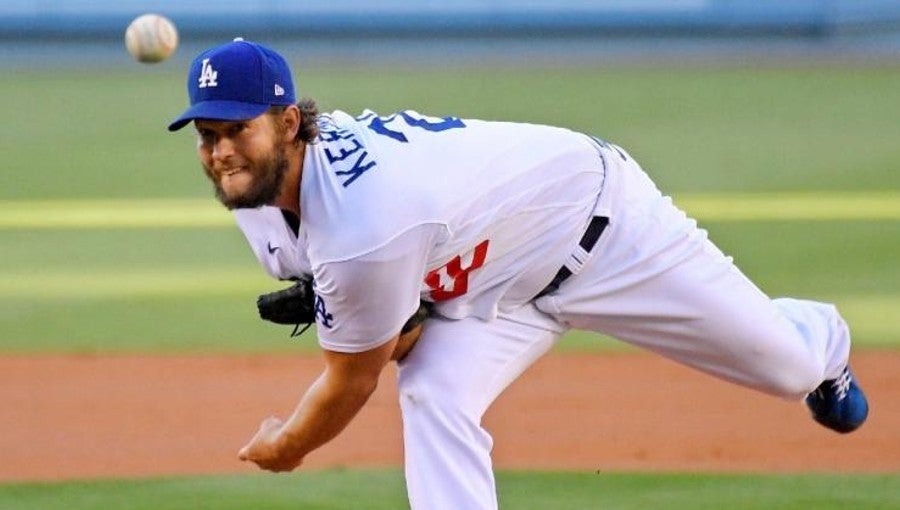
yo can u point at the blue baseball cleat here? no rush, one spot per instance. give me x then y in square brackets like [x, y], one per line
[839, 404]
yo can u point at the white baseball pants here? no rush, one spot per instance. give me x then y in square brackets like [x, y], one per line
[653, 280]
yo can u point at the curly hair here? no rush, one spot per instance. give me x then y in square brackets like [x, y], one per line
[309, 127]
[309, 112]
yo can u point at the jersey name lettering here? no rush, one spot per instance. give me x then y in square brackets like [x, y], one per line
[452, 279]
[345, 153]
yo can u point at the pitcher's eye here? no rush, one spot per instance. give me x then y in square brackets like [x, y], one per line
[236, 128]
[206, 135]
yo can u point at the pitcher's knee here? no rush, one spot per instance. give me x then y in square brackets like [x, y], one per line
[792, 382]
[415, 396]
[427, 393]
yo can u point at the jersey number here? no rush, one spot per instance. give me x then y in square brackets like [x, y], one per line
[380, 124]
[452, 279]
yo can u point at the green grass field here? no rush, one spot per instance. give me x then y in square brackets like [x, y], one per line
[715, 137]
[384, 490]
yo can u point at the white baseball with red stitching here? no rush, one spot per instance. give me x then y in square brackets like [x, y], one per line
[151, 38]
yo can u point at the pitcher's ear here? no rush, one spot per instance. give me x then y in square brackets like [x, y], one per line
[290, 120]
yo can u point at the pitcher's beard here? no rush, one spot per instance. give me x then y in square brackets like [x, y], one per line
[264, 188]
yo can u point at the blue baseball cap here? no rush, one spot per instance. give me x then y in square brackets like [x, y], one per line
[236, 81]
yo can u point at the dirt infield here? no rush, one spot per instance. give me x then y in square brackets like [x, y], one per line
[87, 417]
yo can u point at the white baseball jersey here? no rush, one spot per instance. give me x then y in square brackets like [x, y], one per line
[278, 247]
[475, 216]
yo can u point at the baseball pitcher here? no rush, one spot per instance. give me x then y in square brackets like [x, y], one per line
[512, 233]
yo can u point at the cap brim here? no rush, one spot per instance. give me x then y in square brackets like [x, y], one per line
[219, 110]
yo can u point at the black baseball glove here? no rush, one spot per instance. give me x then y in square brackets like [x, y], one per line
[296, 305]
[293, 305]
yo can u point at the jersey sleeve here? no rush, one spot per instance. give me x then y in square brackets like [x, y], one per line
[361, 303]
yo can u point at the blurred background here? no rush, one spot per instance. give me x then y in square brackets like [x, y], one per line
[520, 31]
[774, 123]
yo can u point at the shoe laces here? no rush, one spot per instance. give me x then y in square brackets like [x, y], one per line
[841, 385]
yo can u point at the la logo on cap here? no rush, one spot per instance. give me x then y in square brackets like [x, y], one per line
[208, 75]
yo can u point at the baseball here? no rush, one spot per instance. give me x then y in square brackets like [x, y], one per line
[151, 38]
